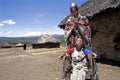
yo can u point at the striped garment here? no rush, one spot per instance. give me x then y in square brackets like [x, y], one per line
[83, 26]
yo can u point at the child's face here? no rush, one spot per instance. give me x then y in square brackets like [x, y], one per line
[74, 12]
[79, 42]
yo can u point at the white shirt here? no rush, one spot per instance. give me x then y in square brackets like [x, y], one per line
[76, 57]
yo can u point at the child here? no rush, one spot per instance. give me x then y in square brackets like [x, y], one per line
[78, 59]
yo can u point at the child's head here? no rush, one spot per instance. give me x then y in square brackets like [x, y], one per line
[74, 10]
[79, 42]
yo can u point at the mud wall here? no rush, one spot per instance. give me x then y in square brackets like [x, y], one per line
[106, 34]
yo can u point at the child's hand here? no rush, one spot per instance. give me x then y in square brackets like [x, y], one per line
[60, 57]
[90, 56]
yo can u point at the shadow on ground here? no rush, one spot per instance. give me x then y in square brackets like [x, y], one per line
[108, 62]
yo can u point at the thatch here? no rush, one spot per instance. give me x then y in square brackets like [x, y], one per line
[93, 7]
[5, 45]
[47, 38]
[19, 45]
[46, 41]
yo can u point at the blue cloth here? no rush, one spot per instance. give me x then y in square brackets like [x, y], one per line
[87, 51]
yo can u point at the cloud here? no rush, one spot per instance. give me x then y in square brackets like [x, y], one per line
[9, 32]
[33, 34]
[1, 24]
[9, 22]
[6, 34]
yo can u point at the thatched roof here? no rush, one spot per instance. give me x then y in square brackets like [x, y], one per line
[46, 38]
[93, 7]
[5, 45]
[19, 45]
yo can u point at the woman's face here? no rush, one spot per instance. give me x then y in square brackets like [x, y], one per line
[79, 42]
[74, 12]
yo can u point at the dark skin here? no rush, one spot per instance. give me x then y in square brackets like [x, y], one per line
[79, 45]
[74, 12]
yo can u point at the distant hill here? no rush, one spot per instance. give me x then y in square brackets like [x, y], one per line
[58, 36]
[18, 39]
[28, 40]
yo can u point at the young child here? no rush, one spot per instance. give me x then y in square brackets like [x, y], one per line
[78, 60]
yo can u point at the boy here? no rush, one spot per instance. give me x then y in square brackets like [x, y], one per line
[78, 59]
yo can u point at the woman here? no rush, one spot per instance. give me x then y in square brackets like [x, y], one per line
[83, 27]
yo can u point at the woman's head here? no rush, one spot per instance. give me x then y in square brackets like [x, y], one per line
[74, 10]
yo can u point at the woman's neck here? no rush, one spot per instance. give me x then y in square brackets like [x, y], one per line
[75, 17]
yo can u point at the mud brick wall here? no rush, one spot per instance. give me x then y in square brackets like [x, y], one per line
[106, 34]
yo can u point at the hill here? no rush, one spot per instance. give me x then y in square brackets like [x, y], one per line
[28, 40]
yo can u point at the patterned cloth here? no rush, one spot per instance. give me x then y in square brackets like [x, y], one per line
[83, 27]
[77, 56]
[79, 66]
[79, 74]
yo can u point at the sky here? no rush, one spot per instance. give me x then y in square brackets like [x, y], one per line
[21, 18]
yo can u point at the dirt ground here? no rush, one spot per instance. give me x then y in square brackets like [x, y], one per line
[43, 64]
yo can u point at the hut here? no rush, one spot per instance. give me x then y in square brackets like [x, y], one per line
[5, 45]
[46, 41]
[104, 19]
[19, 45]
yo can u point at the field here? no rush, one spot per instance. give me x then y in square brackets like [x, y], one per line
[43, 64]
